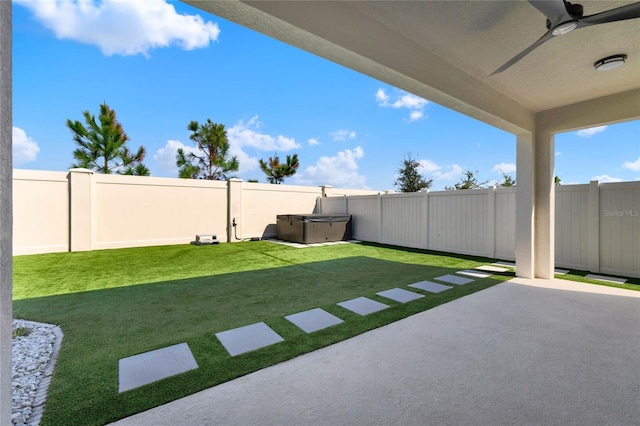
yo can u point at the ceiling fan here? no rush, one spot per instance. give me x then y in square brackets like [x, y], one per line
[563, 17]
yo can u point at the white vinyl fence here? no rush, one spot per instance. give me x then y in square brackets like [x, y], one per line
[597, 225]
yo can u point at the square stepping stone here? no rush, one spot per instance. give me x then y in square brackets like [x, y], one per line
[454, 279]
[313, 320]
[607, 279]
[507, 264]
[248, 338]
[149, 367]
[490, 268]
[561, 271]
[400, 295]
[363, 306]
[430, 287]
[475, 274]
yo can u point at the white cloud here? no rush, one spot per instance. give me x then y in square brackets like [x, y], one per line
[587, 133]
[123, 27]
[632, 165]
[607, 178]
[382, 97]
[428, 166]
[342, 135]
[340, 170]
[435, 171]
[165, 157]
[558, 153]
[246, 135]
[415, 115]
[413, 103]
[313, 142]
[25, 149]
[504, 168]
[454, 173]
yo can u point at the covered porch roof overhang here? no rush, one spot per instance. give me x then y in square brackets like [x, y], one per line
[446, 51]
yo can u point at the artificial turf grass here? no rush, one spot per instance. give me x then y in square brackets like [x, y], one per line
[127, 318]
[579, 276]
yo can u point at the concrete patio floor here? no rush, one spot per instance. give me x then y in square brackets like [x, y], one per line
[523, 352]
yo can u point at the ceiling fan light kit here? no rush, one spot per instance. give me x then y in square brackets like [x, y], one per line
[564, 17]
[565, 28]
[610, 62]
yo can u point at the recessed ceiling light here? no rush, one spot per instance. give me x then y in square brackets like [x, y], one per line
[565, 27]
[610, 62]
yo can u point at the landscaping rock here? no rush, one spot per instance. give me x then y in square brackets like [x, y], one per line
[33, 359]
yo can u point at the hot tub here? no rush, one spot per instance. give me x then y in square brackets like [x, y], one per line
[313, 228]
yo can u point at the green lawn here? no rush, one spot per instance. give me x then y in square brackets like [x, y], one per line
[117, 303]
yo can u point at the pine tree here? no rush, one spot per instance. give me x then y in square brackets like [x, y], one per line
[507, 181]
[211, 159]
[277, 172]
[102, 145]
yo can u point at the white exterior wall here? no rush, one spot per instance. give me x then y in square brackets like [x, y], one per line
[459, 221]
[505, 223]
[572, 226]
[620, 228]
[597, 227]
[330, 205]
[402, 223]
[365, 212]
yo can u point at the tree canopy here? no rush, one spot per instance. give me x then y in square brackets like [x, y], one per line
[276, 172]
[507, 181]
[468, 181]
[211, 159]
[102, 145]
[409, 177]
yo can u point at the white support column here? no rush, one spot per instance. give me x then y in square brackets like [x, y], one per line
[544, 204]
[6, 213]
[594, 226]
[524, 206]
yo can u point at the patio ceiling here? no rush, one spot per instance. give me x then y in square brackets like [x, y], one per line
[446, 51]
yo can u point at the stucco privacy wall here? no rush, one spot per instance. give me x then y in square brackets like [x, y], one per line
[79, 210]
[132, 211]
[41, 206]
[597, 225]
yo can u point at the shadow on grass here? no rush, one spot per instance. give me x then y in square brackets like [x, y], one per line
[103, 326]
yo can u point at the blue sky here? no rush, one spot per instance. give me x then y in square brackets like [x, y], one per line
[161, 65]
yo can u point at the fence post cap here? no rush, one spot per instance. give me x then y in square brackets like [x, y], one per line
[80, 170]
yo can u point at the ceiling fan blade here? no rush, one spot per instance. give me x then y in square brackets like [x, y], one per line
[554, 10]
[548, 36]
[630, 11]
